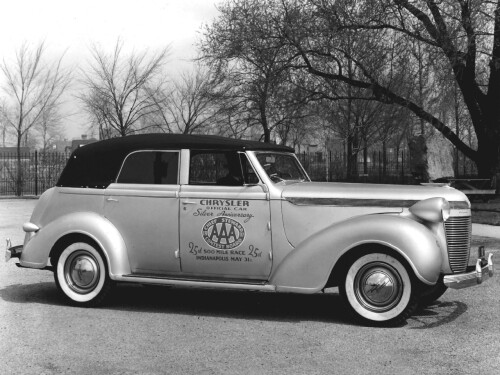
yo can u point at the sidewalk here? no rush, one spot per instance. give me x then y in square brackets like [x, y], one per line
[485, 230]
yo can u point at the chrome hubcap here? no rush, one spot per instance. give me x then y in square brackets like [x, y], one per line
[378, 287]
[81, 272]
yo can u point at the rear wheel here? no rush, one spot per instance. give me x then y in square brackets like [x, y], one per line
[80, 273]
[378, 290]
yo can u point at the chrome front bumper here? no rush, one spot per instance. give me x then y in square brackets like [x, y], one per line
[12, 251]
[484, 270]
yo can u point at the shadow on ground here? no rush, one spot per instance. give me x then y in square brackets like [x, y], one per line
[438, 314]
[323, 307]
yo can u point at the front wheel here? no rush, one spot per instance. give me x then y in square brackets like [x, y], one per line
[378, 290]
[429, 294]
[80, 273]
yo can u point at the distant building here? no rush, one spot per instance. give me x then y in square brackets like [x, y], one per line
[60, 146]
[76, 143]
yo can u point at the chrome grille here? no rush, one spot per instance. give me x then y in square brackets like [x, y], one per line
[458, 234]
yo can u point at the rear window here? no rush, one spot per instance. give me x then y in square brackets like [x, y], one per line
[150, 167]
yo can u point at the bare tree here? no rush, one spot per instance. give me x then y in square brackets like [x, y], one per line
[235, 47]
[462, 34]
[192, 105]
[3, 128]
[119, 87]
[33, 87]
[49, 126]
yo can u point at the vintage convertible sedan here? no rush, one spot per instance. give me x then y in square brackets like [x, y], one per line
[205, 211]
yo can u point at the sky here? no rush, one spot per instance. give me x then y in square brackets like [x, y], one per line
[71, 26]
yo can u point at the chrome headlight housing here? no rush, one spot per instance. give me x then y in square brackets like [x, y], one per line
[30, 229]
[432, 209]
[445, 210]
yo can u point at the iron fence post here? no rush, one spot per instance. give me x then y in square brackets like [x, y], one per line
[379, 166]
[36, 172]
[403, 166]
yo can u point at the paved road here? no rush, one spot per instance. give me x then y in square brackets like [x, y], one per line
[183, 331]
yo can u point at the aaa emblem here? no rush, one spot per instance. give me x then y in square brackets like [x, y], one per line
[223, 233]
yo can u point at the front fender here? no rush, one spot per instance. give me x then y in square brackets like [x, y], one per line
[37, 250]
[308, 267]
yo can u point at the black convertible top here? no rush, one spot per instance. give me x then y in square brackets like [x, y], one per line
[97, 164]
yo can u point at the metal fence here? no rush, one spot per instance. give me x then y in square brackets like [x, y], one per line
[40, 170]
[32, 174]
[393, 167]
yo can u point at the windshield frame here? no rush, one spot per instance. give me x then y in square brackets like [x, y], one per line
[280, 180]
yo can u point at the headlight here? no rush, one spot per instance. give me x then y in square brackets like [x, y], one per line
[432, 209]
[30, 227]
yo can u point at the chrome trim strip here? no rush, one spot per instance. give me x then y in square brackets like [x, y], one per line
[350, 202]
[465, 280]
[354, 202]
[194, 283]
[459, 205]
[80, 190]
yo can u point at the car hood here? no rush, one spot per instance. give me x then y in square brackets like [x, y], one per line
[336, 193]
[309, 207]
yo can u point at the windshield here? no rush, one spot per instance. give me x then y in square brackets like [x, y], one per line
[281, 168]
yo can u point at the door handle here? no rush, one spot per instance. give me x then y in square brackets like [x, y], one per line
[188, 202]
[111, 200]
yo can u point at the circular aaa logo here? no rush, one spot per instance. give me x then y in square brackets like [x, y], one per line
[223, 233]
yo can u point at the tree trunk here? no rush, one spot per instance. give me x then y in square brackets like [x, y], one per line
[457, 127]
[365, 155]
[265, 125]
[488, 157]
[349, 159]
[488, 139]
[352, 157]
[19, 174]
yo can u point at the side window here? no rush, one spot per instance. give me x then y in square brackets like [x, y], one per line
[215, 168]
[150, 167]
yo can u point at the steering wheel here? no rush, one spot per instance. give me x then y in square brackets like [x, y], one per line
[275, 178]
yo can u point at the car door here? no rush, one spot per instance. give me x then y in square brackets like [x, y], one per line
[143, 205]
[224, 221]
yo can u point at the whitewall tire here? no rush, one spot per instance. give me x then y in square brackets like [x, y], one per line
[378, 290]
[80, 273]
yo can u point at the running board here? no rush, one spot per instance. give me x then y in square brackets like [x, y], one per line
[193, 283]
[46, 268]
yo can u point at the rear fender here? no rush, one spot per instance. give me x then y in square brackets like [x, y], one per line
[308, 267]
[37, 250]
